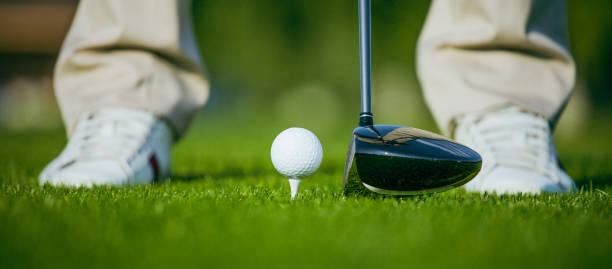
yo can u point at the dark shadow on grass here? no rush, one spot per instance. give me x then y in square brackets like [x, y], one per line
[595, 182]
[231, 173]
[238, 172]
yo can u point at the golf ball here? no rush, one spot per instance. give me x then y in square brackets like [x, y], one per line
[296, 153]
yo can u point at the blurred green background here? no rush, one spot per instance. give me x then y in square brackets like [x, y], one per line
[296, 63]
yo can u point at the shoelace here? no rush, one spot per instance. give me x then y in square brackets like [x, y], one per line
[518, 140]
[110, 134]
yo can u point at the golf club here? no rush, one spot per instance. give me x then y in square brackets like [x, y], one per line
[398, 160]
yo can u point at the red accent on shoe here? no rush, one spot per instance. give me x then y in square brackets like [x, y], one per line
[155, 165]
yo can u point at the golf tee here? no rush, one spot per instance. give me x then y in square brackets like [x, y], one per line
[294, 183]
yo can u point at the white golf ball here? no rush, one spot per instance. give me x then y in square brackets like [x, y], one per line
[296, 153]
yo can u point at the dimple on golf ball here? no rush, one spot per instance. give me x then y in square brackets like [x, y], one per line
[296, 153]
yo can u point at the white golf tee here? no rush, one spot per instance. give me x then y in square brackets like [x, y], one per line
[294, 183]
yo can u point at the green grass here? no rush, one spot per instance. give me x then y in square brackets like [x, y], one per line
[227, 207]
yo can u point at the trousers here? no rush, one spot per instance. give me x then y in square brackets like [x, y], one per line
[472, 55]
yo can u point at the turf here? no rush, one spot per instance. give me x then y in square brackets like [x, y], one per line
[226, 207]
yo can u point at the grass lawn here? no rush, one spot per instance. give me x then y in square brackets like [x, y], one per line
[227, 207]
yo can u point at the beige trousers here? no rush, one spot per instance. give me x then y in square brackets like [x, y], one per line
[479, 54]
[137, 54]
[473, 55]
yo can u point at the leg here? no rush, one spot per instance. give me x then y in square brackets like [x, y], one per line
[135, 54]
[496, 75]
[478, 54]
[128, 81]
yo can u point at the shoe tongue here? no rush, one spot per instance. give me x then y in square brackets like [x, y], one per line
[507, 111]
[503, 117]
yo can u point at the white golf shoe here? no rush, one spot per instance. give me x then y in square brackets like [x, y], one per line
[115, 146]
[517, 152]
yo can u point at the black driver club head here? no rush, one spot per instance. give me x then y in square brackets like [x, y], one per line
[398, 160]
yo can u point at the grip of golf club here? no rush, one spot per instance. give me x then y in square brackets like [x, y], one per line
[365, 63]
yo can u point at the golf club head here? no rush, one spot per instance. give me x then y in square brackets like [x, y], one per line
[398, 160]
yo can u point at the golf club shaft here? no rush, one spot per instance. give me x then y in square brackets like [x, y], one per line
[365, 118]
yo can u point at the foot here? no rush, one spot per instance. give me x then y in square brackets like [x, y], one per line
[115, 146]
[517, 152]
